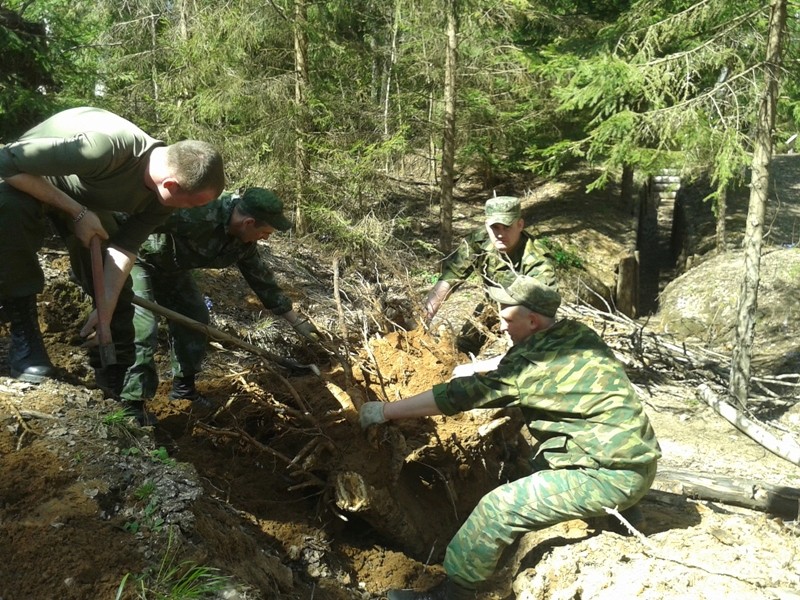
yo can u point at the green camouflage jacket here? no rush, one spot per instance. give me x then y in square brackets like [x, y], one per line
[477, 253]
[575, 397]
[197, 238]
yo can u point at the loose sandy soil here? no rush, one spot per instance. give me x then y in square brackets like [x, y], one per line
[281, 492]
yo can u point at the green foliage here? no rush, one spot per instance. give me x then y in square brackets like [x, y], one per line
[426, 277]
[663, 77]
[424, 246]
[148, 519]
[48, 61]
[161, 455]
[144, 491]
[354, 181]
[116, 417]
[369, 235]
[541, 85]
[794, 271]
[564, 258]
[172, 579]
[121, 424]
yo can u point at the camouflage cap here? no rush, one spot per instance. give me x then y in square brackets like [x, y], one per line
[528, 292]
[264, 206]
[503, 209]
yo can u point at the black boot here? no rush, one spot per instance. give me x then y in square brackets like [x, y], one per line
[110, 380]
[183, 388]
[446, 590]
[137, 410]
[27, 357]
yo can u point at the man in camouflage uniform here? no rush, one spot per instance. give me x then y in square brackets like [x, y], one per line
[596, 448]
[497, 251]
[77, 167]
[220, 234]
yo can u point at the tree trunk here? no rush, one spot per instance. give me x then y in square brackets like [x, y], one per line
[153, 64]
[626, 187]
[183, 26]
[777, 500]
[759, 186]
[722, 209]
[449, 138]
[389, 72]
[431, 140]
[302, 165]
[627, 290]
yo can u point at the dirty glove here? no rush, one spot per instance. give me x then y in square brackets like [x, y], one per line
[371, 413]
[307, 329]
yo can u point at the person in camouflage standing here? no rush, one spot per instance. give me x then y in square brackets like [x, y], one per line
[500, 249]
[77, 167]
[220, 234]
[596, 448]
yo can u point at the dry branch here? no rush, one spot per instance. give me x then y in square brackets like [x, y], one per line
[21, 420]
[348, 404]
[787, 448]
[242, 435]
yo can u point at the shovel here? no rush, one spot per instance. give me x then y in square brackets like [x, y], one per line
[221, 336]
[108, 355]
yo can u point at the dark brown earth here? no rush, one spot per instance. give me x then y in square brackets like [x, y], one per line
[269, 490]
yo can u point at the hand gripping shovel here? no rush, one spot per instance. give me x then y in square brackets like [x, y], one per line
[108, 355]
[221, 336]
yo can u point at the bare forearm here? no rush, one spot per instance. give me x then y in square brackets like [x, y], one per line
[436, 296]
[117, 267]
[45, 192]
[86, 223]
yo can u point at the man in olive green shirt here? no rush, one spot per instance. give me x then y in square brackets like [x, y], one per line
[595, 446]
[76, 168]
[498, 250]
[222, 233]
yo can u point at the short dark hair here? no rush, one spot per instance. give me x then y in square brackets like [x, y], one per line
[197, 166]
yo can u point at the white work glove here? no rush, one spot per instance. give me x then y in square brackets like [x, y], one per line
[464, 370]
[476, 366]
[371, 413]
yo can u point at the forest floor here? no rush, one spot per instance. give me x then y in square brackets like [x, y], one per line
[280, 495]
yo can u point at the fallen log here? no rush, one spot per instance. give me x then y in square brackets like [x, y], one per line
[782, 501]
[787, 448]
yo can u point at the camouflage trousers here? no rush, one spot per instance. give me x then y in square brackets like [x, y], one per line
[176, 291]
[545, 498]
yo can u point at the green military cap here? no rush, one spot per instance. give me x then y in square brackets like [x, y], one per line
[264, 206]
[528, 292]
[503, 209]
